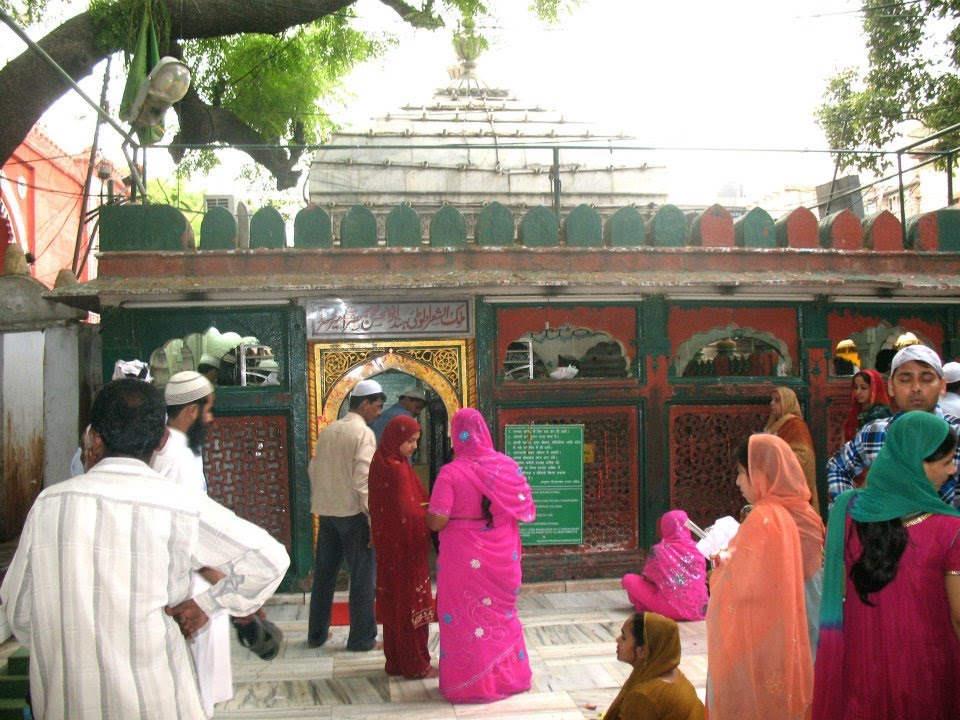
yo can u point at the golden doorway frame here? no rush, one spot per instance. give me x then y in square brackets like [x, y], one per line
[333, 369]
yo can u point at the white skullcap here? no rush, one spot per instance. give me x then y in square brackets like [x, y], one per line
[367, 387]
[951, 372]
[269, 365]
[186, 387]
[414, 393]
[208, 359]
[916, 352]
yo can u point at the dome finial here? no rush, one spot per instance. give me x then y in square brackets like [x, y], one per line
[468, 45]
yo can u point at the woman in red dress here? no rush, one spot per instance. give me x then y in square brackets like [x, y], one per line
[402, 543]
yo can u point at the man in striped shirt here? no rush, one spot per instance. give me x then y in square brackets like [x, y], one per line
[98, 589]
[916, 383]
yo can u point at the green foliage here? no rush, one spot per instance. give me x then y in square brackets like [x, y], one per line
[551, 11]
[197, 161]
[25, 12]
[118, 22]
[275, 83]
[913, 49]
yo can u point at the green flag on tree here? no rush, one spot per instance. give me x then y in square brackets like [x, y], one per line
[145, 56]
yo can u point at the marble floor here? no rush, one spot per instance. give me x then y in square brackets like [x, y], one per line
[570, 630]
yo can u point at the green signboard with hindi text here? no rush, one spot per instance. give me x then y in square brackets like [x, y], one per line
[551, 457]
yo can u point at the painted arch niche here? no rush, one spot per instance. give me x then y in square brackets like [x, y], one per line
[565, 352]
[226, 358]
[733, 351]
[873, 348]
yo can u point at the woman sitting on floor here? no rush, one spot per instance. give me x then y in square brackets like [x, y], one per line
[673, 581]
[656, 688]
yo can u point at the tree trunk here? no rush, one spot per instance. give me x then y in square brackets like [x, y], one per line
[28, 85]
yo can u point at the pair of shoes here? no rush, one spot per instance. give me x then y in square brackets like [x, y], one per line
[259, 635]
[430, 672]
[311, 643]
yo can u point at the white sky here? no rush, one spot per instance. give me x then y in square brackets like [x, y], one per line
[692, 73]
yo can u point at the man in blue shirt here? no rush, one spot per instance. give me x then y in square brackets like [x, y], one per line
[411, 403]
[916, 383]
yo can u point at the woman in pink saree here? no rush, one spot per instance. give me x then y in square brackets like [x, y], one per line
[673, 581]
[477, 503]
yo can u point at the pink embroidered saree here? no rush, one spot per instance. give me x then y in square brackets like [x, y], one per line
[483, 656]
[674, 578]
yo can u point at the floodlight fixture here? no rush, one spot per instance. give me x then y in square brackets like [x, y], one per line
[165, 84]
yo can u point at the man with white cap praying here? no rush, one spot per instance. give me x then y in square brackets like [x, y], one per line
[209, 367]
[338, 489]
[411, 403]
[916, 383]
[189, 397]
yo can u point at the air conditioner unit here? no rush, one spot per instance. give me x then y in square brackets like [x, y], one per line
[228, 202]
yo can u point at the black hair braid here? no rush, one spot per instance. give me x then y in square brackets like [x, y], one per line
[485, 511]
[884, 543]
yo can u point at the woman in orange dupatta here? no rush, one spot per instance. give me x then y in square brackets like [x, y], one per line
[402, 543]
[759, 659]
[786, 422]
[656, 688]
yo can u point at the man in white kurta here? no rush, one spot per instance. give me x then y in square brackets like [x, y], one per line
[190, 397]
[98, 589]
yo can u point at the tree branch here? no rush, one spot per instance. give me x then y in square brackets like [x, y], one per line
[202, 124]
[423, 17]
[31, 86]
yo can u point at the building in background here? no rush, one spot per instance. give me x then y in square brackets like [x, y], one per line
[41, 199]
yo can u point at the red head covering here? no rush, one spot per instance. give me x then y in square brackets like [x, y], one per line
[878, 395]
[396, 495]
[397, 432]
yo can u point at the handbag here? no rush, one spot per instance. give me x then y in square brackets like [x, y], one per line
[258, 634]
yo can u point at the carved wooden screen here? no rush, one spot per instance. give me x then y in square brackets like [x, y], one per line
[703, 439]
[836, 416]
[246, 468]
[610, 493]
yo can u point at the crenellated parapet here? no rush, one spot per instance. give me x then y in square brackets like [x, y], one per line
[148, 255]
[162, 228]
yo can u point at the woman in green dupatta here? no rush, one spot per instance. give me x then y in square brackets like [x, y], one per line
[890, 615]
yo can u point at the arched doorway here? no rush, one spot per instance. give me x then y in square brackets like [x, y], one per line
[448, 367]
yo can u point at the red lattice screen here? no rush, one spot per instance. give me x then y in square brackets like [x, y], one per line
[610, 504]
[703, 439]
[836, 416]
[246, 468]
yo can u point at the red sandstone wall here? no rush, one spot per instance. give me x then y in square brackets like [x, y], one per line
[41, 193]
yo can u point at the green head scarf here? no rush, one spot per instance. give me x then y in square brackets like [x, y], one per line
[897, 486]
